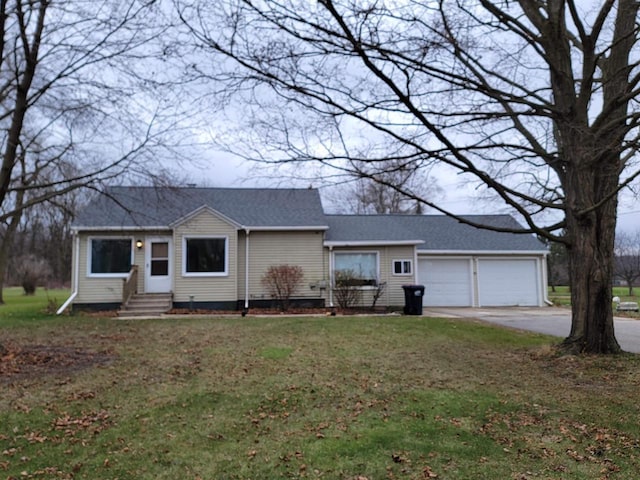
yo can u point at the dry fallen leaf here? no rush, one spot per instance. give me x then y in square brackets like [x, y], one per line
[428, 473]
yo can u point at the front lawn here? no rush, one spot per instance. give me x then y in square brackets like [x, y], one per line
[311, 397]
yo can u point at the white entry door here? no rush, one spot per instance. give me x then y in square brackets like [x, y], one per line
[158, 265]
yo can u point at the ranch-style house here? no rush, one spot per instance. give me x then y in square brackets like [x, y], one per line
[208, 248]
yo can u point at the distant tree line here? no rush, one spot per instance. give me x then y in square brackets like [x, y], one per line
[626, 262]
[39, 250]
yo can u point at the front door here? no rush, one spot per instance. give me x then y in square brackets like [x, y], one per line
[158, 265]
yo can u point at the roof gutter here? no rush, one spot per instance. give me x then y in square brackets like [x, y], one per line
[126, 228]
[485, 253]
[287, 229]
[370, 243]
[122, 228]
[76, 272]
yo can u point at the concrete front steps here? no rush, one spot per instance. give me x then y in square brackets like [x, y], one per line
[147, 305]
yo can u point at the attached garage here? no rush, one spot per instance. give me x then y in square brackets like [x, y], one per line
[483, 282]
[459, 265]
[508, 282]
[447, 281]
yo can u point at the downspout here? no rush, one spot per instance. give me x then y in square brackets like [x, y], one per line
[246, 272]
[76, 275]
[330, 286]
[545, 280]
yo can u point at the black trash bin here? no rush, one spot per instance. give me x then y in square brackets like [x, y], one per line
[413, 299]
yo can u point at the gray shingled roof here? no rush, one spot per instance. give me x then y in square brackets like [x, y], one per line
[151, 207]
[437, 232]
[138, 207]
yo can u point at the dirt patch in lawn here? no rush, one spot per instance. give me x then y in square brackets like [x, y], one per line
[33, 361]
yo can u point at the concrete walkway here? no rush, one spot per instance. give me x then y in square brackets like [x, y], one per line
[549, 320]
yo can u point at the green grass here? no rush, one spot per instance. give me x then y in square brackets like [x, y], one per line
[562, 297]
[19, 307]
[331, 397]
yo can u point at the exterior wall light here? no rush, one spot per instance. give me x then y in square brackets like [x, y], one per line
[139, 244]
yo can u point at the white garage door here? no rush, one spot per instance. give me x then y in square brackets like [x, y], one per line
[507, 282]
[447, 282]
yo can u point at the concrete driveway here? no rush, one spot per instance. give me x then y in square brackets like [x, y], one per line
[550, 320]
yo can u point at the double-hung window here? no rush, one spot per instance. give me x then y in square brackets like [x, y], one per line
[356, 268]
[205, 256]
[110, 256]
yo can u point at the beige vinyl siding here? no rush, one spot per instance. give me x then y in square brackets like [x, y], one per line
[104, 290]
[206, 288]
[393, 294]
[266, 249]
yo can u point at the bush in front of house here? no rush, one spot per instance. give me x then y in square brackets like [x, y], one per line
[346, 289]
[281, 281]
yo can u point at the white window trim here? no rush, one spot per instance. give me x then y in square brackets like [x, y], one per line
[90, 256]
[357, 252]
[225, 273]
[403, 274]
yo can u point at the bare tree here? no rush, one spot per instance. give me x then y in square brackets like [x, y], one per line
[84, 100]
[627, 262]
[535, 102]
[44, 231]
[379, 188]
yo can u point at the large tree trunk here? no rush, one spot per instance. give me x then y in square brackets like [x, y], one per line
[591, 152]
[591, 280]
[591, 260]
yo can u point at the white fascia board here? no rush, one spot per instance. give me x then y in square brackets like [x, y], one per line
[263, 228]
[538, 253]
[169, 228]
[126, 228]
[371, 243]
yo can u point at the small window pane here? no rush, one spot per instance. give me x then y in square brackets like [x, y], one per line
[160, 250]
[110, 256]
[206, 255]
[159, 267]
[402, 267]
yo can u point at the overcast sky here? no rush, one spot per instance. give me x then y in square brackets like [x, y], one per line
[225, 171]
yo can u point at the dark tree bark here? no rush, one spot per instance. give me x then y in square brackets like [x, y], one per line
[5, 245]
